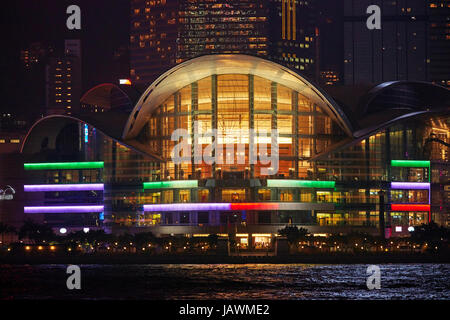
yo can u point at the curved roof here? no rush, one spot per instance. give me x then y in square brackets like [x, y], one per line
[405, 95]
[388, 103]
[383, 102]
[393, 101]
[110, 96]
[202, 67]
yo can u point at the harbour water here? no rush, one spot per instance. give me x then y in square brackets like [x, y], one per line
[226, 281]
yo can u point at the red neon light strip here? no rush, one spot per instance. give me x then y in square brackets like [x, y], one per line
[254, 206]
[410, 207]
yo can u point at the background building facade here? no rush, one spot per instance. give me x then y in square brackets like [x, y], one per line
[63, 80]
[411, 44]
[165, 33]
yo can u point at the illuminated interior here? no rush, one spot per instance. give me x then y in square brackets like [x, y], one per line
[233, 104]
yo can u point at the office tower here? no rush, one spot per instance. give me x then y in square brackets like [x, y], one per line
[413, 43]
[63, 80]
[33, 61]
[72, 48]
[329, 19]
[439, 45]
[35, 54]
[329, 77]
[293, 35]
[209, 27]
[153, 38]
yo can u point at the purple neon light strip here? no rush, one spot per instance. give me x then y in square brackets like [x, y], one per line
[188, 207]
[410, 185]
[63, 187]
[63, 209]
[236, 206]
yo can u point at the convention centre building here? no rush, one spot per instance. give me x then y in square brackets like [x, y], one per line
[235, 144]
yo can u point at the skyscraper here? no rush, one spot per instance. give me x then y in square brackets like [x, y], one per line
[63, 80]
[439, 47]
[293, 35]
[233, 26]
[153, 38]
[36, 53]
[164, 33]
[411, 45]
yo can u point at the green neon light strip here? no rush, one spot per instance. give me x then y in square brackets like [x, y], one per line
[177, 184]
[410, 163]
[63, 165]
[278, 183]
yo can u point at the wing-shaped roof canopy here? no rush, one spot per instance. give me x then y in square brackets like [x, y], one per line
[205, 66]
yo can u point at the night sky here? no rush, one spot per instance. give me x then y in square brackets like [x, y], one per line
[105, 29]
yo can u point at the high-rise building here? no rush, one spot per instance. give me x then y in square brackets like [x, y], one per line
[233, 26]
[439, 47]
[412, 44]
[396, 52]
[72, 48]
[164, 33]
[63, 80]
[33, 58]
[330, 17]
[36, 53]
[293, 35]
[12, 131]
[153, 38]
[329, 77]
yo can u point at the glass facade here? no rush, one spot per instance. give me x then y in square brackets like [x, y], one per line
[233, 105]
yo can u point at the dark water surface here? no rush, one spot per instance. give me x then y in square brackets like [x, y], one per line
[226, 281]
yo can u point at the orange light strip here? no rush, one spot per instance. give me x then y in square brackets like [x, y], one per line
[294, 22]
[289, 19]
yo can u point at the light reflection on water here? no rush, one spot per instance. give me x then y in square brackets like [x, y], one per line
[226, 281]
